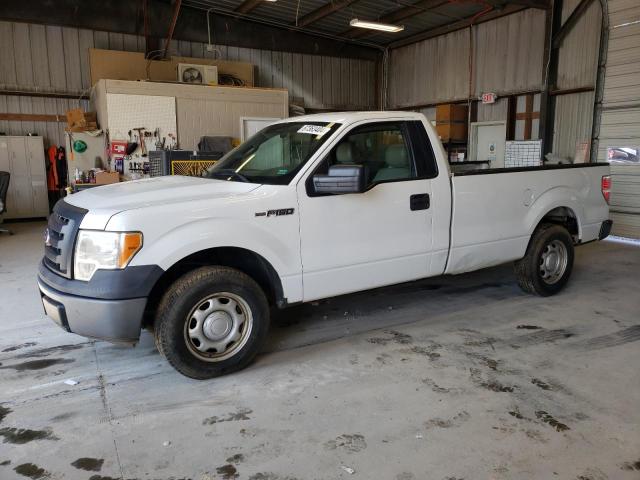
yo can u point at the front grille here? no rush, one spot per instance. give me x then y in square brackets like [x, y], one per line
[62, 230]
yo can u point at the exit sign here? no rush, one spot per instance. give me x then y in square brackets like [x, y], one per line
[489, 98]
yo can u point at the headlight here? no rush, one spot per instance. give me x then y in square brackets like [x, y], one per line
[97, 250]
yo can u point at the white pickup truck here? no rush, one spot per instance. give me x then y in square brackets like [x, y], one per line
[310, 207]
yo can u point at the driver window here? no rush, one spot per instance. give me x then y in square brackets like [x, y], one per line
[380, 147]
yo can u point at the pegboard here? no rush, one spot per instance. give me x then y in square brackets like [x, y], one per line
[126, 112]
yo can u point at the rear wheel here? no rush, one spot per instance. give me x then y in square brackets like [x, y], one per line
[211, 321]
[546, 267]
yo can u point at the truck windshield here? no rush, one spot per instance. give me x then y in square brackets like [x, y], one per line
[273, 155]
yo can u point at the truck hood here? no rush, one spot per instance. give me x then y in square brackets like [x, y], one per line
[105, 201]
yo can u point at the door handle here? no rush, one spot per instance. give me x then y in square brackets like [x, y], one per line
[419, 201]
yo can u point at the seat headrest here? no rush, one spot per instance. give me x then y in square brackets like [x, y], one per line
[396, 156]
[344, 153]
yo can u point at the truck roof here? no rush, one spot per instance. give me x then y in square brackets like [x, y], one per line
[350, 117]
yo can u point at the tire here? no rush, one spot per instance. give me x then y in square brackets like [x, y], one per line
[211, 321]
[546, 267]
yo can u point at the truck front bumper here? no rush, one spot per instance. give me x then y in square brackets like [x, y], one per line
[109, 307]
[113, 320]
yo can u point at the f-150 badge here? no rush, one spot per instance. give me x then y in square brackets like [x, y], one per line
[275, 213]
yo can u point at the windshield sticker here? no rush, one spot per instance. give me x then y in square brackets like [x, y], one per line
[314, 130]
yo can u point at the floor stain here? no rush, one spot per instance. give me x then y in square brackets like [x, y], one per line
[4, 411]
[434, 386]
[454, 421]
[529, 327]
[4, 463]
[241, 414]
[45, 352]
[32, 471]
[227, 472]
[628, 335]
[539, 383]
[37, 364]
[21, 436]
[548, 419]
[237, 458]
[269, 476]
[396, 337]
[592, 474]
[631, 465]
[543, 336]
[489, 384]
[351, 443]
[426, 352]
[18, 347]
[88, 464]
[515, 412]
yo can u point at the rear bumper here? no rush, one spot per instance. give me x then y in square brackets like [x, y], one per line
[113, 320]
[605, 229]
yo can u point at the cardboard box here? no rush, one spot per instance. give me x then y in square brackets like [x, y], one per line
[80, 121]
[456, 132]
[105, 178]
[451, 113]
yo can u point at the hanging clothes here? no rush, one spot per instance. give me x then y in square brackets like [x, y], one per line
[52, 169]
[61, 165]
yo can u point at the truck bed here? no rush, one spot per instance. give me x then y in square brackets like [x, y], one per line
[494, 211]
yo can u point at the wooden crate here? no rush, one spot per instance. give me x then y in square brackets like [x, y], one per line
[451, 112]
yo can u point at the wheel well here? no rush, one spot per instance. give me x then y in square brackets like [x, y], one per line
[248, 262]
[563, 216]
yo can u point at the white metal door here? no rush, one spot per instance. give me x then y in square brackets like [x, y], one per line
[619, 133]
[38, 176]
[359, 241]
[21, 203]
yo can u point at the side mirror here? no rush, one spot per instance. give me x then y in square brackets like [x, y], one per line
[341, 179]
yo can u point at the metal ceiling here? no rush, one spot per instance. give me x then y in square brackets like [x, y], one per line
[331, 17]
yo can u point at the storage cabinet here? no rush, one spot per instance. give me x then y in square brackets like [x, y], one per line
[23, 158]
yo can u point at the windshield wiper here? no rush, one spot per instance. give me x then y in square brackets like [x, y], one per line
[229, 172]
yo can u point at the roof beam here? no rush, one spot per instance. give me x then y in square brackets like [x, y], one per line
[568, 25]
[397, 16]
[248, 5]
[452, 27]
[323, 11]
[542, 4]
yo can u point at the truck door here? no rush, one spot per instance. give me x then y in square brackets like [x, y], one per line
[382, 236]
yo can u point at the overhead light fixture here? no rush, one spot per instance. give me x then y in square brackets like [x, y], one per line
[383, 27]
[272, 1]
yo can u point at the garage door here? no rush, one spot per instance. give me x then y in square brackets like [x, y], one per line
[619, 139]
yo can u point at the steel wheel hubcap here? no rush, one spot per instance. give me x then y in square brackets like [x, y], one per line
[218, 327]
[553, 261]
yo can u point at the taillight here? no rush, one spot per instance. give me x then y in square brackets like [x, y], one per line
[605, 186]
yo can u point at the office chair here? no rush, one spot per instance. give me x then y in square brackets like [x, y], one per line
[4, 188]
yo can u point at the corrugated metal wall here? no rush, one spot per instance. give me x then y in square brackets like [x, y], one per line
[578, 57]
[508, 56]
[620, 119]
[509, 53]
[47, 59]
[431, 71]
[573, 121]
[577, 68]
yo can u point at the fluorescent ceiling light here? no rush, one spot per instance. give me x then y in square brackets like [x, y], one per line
[383, 27]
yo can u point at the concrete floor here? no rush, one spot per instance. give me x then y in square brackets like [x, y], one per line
[449, 378]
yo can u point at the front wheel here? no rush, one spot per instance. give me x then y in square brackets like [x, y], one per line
[211, 321]
[546, 267]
